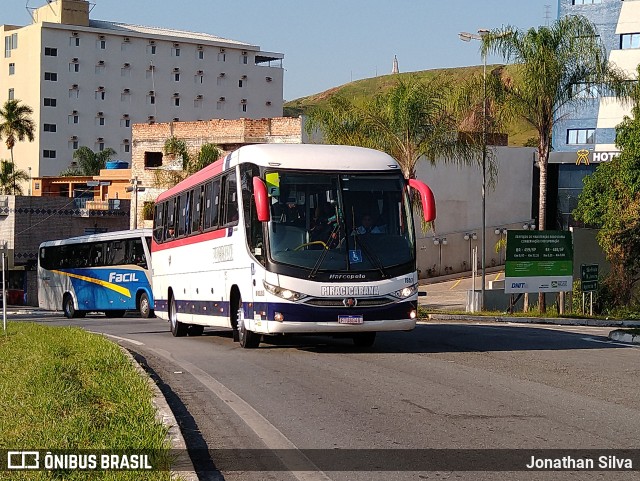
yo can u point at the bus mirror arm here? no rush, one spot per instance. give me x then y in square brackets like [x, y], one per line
[427, 198]
[261, 199]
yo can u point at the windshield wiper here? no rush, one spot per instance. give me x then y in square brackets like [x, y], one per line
[372, 256]
[321, 257]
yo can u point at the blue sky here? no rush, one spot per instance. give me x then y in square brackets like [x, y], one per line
[331, 42]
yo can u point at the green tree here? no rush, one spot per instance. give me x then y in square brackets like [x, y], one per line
[552, 63]
[16, 125]
[10, 179]
[207, 154]
[89, 162]
[412, 119]
[610, 200]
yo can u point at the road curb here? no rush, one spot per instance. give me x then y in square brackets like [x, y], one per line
[535, 320]
[166, 417]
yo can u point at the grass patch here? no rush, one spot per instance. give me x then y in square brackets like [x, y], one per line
[62, 388]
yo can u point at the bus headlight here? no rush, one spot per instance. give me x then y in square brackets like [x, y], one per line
[287, 294]
[406, 292]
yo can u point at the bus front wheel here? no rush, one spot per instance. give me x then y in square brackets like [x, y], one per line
[248, 339]
[69, 309]
[178, 329]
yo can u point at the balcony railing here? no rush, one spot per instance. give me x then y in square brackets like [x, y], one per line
[89, 206]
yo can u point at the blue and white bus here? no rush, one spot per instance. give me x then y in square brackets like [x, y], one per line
[269, 241]
[108, 272]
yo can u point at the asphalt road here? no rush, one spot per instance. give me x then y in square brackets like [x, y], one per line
[453, 386]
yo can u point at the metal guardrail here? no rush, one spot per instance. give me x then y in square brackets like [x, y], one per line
[90, 204]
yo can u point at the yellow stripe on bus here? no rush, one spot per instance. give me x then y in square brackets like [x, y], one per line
[114, 287]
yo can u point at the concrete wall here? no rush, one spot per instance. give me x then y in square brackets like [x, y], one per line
[458, 194]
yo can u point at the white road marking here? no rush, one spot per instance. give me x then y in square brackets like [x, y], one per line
[272, 437]
[610, 342]
[132, 341]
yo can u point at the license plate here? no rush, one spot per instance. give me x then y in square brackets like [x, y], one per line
[350, 320]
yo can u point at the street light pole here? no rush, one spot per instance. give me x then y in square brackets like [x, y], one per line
[467, 37]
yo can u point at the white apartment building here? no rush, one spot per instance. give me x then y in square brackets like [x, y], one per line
[88, 81]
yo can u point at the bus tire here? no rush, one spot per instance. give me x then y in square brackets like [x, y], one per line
[248, 339]
[69, 309]
[115, 313]
[364, 339]
[195, 330]
[144, 306]
[178, 329]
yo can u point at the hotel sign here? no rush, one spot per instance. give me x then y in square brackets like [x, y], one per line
[586, 157]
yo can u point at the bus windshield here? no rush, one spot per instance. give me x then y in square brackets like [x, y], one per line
[339, 222]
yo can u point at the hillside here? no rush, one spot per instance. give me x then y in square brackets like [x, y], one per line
[519, 132]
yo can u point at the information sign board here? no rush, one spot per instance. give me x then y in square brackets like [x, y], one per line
[538, 261]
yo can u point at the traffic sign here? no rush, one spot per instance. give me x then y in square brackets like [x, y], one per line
[589, 277]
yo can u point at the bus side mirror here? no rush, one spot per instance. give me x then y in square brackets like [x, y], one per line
[426, 196]
[261, 199]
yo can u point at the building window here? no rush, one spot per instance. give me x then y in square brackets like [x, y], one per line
[12, 94]
[50, 128]
[150, 71]
[585, 90]
[244, 107]
[125, 96]
[200, 54]
[175, 51]
[100, 67]
[100, 120]
[222, 57]
[50, 52]
[73, 118]
[125, 121]
[100, 145]
[74, 67]
[51, 76]
[197, 103]
[152, 159]
[74, 41]
[126, 148]
[176, 77]
[176, 101]
[125, 71]
[152, 99]
[151, 49]
[245, 59]
[199, 78]
[240, 83]
[630, 40]
[586, 2]
[74, 92]
[49, 154]
[10, 43]
[581, 136]
[73, 144]
[12, 68]
[101, 44]
[49, 102]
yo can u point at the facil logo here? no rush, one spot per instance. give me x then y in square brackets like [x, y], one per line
[126, 277]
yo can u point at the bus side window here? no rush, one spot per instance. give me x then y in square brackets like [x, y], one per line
[170, 217]
[158, 222]
[181, 213]
[230, 200]
[215, 203]
[196, 210]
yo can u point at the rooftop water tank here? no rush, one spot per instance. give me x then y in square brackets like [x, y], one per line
[117, 164]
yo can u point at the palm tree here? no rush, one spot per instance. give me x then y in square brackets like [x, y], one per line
[90, 162]
[9, 178]
[413, 119]
[15, 125]
[552, 62]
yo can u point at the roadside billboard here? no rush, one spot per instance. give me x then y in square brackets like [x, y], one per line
[538, 261]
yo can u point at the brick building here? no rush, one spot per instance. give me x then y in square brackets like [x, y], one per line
[148, 142]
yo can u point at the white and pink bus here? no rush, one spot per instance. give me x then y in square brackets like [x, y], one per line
[289, 239]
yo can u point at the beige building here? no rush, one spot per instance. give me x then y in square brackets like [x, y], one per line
[89, 80]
